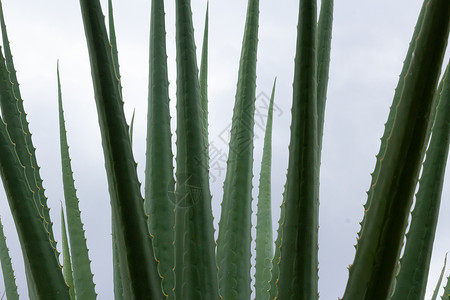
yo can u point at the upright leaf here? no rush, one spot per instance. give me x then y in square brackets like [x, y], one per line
[113, 41]
[195, 266]
[67, 264]
[118, 287]
[234, 240]
[204, 78]
[298, 277]
[382, 235]
[7, 270]
[275, 271]
[82, 275]
[117, 277]
[415, 263]
[446, 294]
[132, 127]
[438, 285]
[324, 32]
[264, 238]
[159, 162]
[137, 263]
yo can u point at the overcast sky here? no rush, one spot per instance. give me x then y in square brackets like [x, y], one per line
[370, 40]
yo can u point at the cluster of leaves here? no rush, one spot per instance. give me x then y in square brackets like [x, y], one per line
[163, 244]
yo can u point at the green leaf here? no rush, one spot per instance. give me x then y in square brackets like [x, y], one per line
[275, 272]
[392, 112]
[195, 266]
[67, 265]
[382, 236]
[159, 158]
[113, 41]
[204, 78]
[118, 287]
[446, 294]
[132, 127]
[415, 263]
[298, 277]
[7, 270]
[44, 276]
[82, 275]
[264, 238]
[234, 240]
[15, 116]
[324, 33]
[117, 278]
[438, 285]
[138, 268]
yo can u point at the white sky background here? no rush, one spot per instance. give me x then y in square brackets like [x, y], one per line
[370, 40]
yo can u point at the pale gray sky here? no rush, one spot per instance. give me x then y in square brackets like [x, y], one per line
[370, 39]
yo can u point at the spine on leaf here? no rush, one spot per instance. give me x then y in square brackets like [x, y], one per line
[264, 238]
[234, 240]
[159, 181]
[195, 265]
[82, 275]
[380, 243]
[138, 266]
[298, 277]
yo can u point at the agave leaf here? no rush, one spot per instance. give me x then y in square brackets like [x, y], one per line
[415, 263]
[117, 278]
[264, 238]
[324, 32]
[82, 275]
[138, 268]
[392, 112]
[234, 240]
[299, 250]
[113, 41]
[8, 273]
[195, 266]
[382, 235]
[67, 265]
[159, 164]
[26, 142]
[204, 78]
[40, 258]
[446, 294]
[118, 287]
[275, 271]
[132, 127]
[438, 285]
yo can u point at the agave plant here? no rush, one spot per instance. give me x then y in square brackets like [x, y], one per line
[163, 244]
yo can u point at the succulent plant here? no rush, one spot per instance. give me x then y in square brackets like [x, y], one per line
[164, 244]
